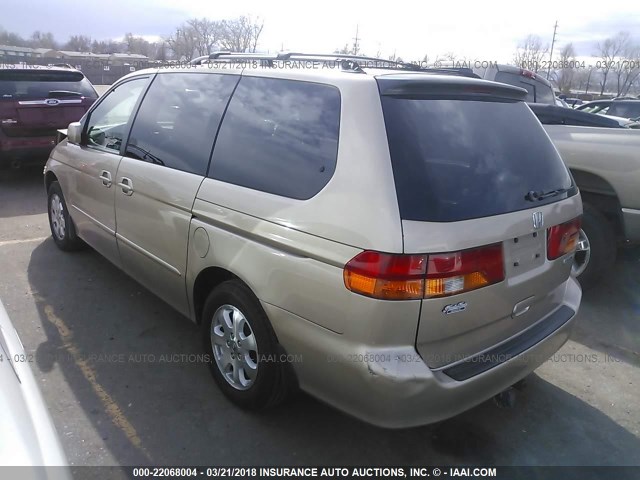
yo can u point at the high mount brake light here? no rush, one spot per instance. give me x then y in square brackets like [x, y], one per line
[411, 277]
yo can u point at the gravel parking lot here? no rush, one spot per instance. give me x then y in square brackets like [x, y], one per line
[114, 368]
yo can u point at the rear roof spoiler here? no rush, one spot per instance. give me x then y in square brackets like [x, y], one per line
[437, 86]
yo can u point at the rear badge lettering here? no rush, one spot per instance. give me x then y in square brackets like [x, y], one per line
[538, 220]
[454, 308]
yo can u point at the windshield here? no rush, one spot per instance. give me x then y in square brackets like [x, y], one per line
[35, 84]
[460, 159]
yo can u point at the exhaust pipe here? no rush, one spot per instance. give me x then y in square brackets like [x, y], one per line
[16, 164]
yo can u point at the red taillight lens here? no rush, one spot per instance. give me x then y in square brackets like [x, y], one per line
[386, 276]
[457, 272]
[404, 277]
[563, 238]
[527, 73]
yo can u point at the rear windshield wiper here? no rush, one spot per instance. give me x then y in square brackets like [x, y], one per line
[65, 93]
[533, 196]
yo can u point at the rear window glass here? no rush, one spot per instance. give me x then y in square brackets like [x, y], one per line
[460, 159]
[626, 110]
[34, 84]
[537, 92]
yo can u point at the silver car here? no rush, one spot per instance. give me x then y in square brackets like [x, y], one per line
[394, 241]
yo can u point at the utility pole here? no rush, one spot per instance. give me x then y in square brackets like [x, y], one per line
[356, 43]
[553, 41]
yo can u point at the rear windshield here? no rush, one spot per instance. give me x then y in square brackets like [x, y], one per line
[461, 159]
[537, 92]
[35, 84]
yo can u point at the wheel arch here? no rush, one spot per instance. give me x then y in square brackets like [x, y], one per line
[599, 193]
[49, 178]
[206, 280]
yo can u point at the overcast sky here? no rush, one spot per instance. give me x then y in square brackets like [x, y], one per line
[484, 30]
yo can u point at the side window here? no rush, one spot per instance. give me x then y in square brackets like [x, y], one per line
[177, 121]
[626, 110]
[544, 94]
[279, 136]
[108, 121]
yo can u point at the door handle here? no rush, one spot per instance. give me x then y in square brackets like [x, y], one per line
[106, 178]
[126, 185]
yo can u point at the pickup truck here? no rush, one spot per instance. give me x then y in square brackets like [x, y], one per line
[604, 159]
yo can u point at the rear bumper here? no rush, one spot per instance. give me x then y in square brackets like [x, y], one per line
[631, 222]
[392, 387]
[25, 150]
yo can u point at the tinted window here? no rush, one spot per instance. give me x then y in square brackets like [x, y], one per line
[178, 119]
[516, 80]
[544, 94]
[108, 121]
[626, 109]
[459, 159]
[35, 84]
[279, 136]
[537, 91]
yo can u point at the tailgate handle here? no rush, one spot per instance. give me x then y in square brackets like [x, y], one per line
[522, 307]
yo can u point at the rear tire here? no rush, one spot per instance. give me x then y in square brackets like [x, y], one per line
[602, 242]
[63, 230]
[238, 336]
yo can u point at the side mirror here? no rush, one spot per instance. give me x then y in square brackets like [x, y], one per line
[74, 133]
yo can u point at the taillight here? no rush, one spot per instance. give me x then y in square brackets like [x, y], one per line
[386, 276]
[527, 73]
[405, 277]
[451, 273]
[563, 238]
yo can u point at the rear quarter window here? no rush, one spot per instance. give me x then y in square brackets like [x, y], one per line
[279, 136]
[461, 159]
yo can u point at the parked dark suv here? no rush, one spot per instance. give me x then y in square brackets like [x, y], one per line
[35, 101]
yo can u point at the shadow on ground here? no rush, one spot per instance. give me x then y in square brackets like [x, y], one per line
[610, 312]
[153, 412]
[17, 190]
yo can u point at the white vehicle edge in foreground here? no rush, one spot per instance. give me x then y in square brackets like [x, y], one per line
[28, 435]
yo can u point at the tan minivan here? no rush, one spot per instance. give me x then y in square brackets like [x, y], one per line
[397, 243]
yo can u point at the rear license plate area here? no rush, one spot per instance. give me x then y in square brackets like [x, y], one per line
[524, 253]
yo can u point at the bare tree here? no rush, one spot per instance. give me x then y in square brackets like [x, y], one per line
[183, 42]
[241, 34]
[609, 52]
[106, 46]
[565, 75]
[207, 34]
[43, 40]
[530, 53]
[78, 43]
[626, 69]
[11, 38]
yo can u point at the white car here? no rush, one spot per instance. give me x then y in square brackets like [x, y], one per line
[28, 437]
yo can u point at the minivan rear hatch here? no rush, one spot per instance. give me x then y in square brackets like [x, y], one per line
[38, 101]
[478, 183]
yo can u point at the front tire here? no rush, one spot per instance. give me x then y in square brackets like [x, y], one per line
[597, 246]
[63, 230]
[245, 356]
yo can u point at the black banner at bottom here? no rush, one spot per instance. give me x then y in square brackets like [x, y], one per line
[368, 472]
